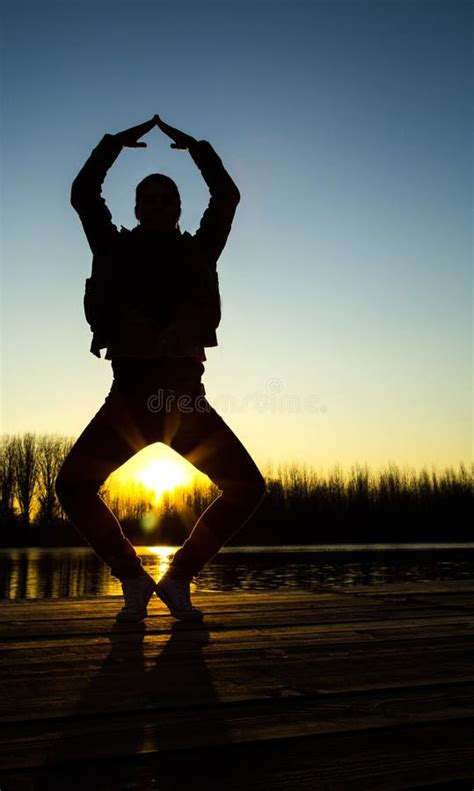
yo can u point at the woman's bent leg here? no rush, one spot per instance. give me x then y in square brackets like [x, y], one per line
[204, 439]
[111, 438]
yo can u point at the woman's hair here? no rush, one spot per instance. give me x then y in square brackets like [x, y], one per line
[157, 178]
[160, 178]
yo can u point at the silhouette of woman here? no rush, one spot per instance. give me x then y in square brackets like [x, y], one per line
[155, 334]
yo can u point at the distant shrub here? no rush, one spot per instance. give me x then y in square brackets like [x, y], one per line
[303, 505]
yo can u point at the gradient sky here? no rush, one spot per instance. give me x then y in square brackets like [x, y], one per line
[346, 280]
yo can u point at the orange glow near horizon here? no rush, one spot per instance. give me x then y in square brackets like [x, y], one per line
[158, 471]
[162, 476]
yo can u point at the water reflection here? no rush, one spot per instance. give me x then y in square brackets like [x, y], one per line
[77, 572]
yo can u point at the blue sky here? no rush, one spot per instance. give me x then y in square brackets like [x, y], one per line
[346, 280]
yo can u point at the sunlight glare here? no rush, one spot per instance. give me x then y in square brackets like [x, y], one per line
[162, 476]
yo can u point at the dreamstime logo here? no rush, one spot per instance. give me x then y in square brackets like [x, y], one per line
[272, 399]
[168, 400]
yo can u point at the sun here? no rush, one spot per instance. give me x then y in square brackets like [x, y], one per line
[161, 476]
[157, 470]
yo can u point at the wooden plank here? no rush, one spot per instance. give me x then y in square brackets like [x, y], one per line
[388, 759]
[218, 619]
[463, 601]
[22, 654]
[233, 599]
[408, 588]
[98, 609]
[227, 598]
[109, 608]
[33, 744]
[128, 680]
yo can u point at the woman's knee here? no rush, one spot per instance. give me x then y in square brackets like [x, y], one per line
[72, 481]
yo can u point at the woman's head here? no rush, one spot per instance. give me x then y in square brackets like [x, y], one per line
[157, 202]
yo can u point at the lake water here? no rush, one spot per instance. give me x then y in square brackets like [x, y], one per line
[77, 572]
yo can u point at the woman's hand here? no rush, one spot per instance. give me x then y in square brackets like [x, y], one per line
[182, 141]
[130, 136]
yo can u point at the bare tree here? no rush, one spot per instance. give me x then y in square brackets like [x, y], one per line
[26, 471]
[7, 477]
[50, 457]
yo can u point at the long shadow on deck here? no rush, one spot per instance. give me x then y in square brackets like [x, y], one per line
[130, 693]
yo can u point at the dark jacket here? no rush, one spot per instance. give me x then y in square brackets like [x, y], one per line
[145, 270]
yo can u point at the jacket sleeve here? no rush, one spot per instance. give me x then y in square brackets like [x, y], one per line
[216, 221]
[86, 197]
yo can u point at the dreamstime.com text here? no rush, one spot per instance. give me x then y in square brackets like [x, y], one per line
[272, 399]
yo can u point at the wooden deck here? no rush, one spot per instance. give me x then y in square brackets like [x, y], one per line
[346, 688]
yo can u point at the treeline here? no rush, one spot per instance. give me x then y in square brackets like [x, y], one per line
[303, 506]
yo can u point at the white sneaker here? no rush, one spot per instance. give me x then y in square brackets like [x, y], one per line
[176, 595]
[137, 593]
